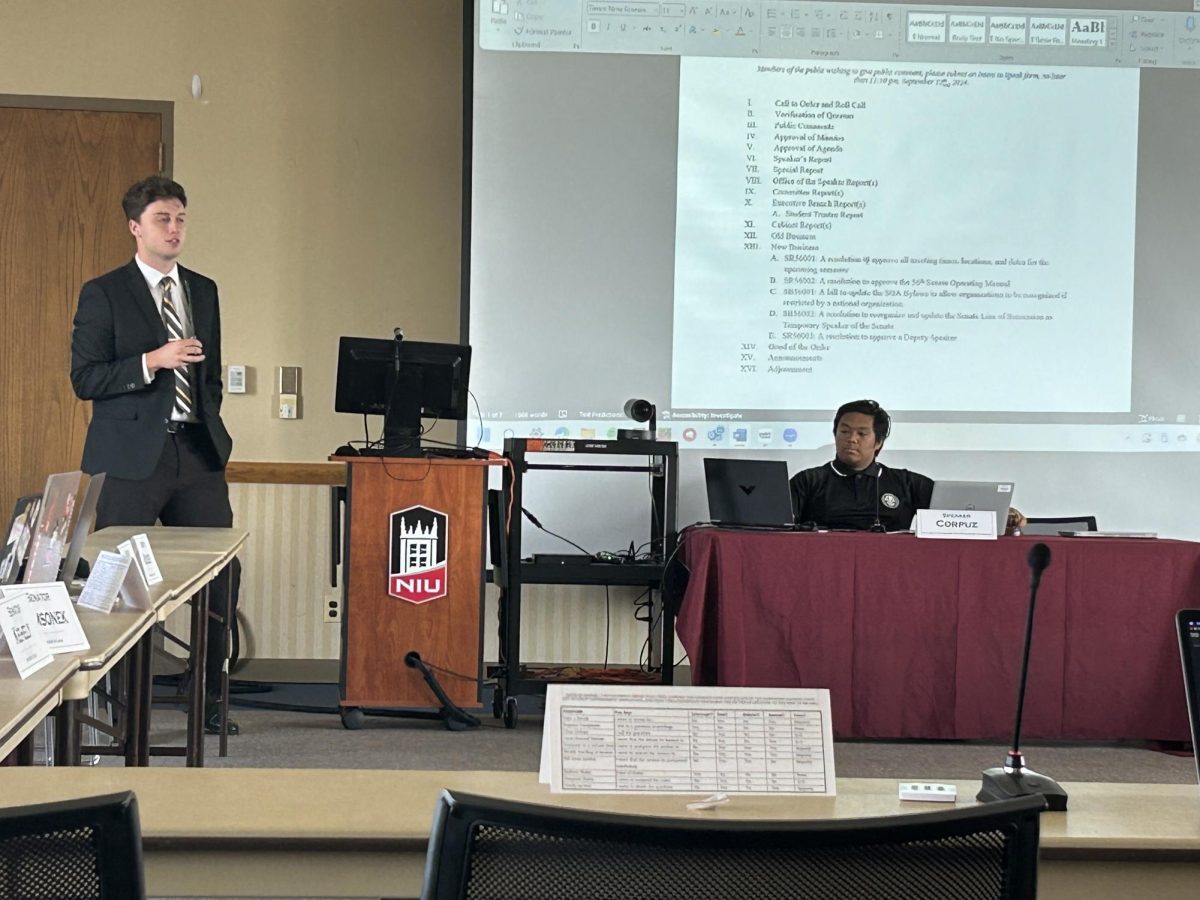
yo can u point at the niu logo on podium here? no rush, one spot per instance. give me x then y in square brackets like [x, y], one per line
[417, 557]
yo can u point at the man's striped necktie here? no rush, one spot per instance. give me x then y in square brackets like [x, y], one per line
[183, 382]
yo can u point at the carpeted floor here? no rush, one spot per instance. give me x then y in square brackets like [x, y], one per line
[279, 738]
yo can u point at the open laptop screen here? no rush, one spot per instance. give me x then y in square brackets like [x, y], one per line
[1187, 623]
[748, 492]
[964, 495]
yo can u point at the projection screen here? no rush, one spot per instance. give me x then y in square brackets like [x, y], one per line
[985, 218]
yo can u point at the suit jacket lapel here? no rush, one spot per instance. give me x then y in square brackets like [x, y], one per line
[199, 309]
[143, 301]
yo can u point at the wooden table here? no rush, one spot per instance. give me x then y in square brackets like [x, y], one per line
[189, 559]
[25, 703]
[362, 833]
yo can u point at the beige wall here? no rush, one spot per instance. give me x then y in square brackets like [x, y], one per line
[323, 168]
[322, 165]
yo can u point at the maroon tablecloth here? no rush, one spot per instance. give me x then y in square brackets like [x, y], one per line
[922, 638]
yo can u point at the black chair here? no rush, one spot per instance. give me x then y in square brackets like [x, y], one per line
[88, 849]
[494, 850]
[1055, 524]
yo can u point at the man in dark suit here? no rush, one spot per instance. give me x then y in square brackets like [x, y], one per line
[146, 350]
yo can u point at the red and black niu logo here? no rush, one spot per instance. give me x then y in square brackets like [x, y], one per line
[417, 558]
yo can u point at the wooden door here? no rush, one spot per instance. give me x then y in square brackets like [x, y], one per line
[62, 175]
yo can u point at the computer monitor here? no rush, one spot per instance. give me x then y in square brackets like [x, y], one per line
[402, 381]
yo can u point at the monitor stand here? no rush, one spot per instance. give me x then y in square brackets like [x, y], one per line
[401, 442]
[402, 421]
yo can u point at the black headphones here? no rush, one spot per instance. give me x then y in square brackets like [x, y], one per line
[881, 414]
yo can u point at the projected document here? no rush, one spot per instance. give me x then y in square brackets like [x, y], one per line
[965, 233]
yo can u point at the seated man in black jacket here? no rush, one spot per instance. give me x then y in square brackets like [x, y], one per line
[854, 490]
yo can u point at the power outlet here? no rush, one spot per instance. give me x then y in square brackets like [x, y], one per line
[333, 607]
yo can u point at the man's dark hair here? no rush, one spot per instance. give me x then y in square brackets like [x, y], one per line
[883, 422]
[146, 191]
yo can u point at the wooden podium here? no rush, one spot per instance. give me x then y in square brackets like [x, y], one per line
[413, 581]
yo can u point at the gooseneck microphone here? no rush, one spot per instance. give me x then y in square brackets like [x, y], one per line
[877, 526]
[1039, 559]
[1013, 779]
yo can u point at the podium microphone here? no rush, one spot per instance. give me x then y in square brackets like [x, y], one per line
[1013, 779]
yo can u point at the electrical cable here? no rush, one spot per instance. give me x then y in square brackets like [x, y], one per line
[607, 624]
[479, 416]
[533, 519]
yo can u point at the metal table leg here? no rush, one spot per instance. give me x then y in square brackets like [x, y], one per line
[195, 729]
[66, 734]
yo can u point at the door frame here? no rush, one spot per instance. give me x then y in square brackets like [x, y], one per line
[165, 109]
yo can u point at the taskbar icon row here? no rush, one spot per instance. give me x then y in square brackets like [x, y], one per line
[740, 434]
[703, 435]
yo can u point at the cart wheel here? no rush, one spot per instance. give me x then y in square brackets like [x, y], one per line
[510, 712]
[352, 718]
[497, 702]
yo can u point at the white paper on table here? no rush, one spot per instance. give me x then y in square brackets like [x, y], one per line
[134, 592]
[104, 582]
[24, 641]
[547, 730]
[146, 561]
[49, 606]
[125, 548]
[621, 739]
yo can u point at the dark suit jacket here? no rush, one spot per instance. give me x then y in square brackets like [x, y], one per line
[117, 321]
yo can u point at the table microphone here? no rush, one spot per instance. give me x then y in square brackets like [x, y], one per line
[878, 524]
[1013, 779]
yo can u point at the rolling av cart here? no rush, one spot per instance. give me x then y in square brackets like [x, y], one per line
[660, 460]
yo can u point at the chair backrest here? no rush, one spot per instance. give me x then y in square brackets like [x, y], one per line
[1055, 524]
[481, 847]
[88, 849]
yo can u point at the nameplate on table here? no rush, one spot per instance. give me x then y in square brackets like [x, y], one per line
[138, 547]
[622, 739]
[960, 524]
[49, 607]
[135, 592]
[22, 640]
[103, 584]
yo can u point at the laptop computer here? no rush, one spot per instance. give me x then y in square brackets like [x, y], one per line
[961, 495]
[1187, 625]
[748, 492]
